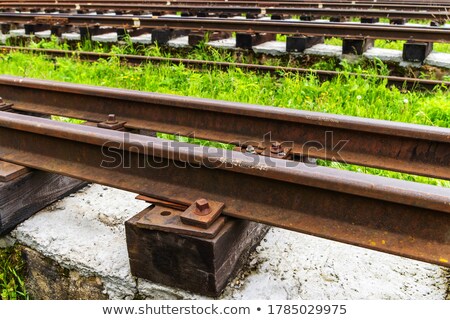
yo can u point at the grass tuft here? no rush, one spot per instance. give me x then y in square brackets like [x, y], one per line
[12, 287]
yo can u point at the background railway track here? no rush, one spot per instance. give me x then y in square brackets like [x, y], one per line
[401, 82]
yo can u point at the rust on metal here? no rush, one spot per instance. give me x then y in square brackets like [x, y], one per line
[50, 20]
[389, 215]
[10, 171]
[286, 8]
[429, 34]
[112, 123]
[5, 106]
[162, 203]
[415, 149]
[202, 213]
[168, 219]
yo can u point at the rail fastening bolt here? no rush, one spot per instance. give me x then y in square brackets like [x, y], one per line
[111, 119]
[202, 206]
[276, 147]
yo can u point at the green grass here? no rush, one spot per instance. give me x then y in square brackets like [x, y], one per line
[389, 44]
[12, 286]
[343, 95]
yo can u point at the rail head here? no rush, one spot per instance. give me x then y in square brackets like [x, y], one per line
[390, 128]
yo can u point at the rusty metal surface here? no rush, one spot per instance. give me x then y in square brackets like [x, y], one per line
[10, 171]
[337, 10]
[428, 34]
[415, 149]
[435, 3]
[389, 215]
[148, 5]
[169, 220]
[162, 203]
[202, 213]
[402, 82]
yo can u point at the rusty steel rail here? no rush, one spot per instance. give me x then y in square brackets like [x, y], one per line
[388, 145]
[323, 75]
[388, 215]
[428, 34]
[267, 3]
[412, 12]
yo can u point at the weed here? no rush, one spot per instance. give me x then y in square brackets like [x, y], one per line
[12, 286]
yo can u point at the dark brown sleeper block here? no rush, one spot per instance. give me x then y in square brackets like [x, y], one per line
[202, 266]
[30, 192]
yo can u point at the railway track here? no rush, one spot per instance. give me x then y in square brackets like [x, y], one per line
[440, 14]
[252, 2]
[232, 6]
[372, 31]
[323, 75]
[389, 215]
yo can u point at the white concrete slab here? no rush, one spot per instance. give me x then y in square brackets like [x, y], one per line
[44, 34]
[73, 36]
[170, 16]
[107, 37]
[3, 38]
[229, 43]
[143, 38]
[273, 48]
[386, 55]
[324, 50]
[180, 42]
[438, 59]
[17, 33]
[85, 232]
[407, 64]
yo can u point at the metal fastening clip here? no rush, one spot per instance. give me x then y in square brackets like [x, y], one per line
[5, 106]
[112, 123]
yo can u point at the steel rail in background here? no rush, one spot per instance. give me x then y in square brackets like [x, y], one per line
[428, 34]
[323, 12]
[265, 2]
[401, 82]
[388, 145]
[389, 215]
[324, 9]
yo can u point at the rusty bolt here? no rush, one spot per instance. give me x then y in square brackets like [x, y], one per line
[202, 207]
[250, 149]
[276, 148]
[111, 119]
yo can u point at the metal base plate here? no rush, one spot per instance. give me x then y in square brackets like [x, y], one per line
[168, 219]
